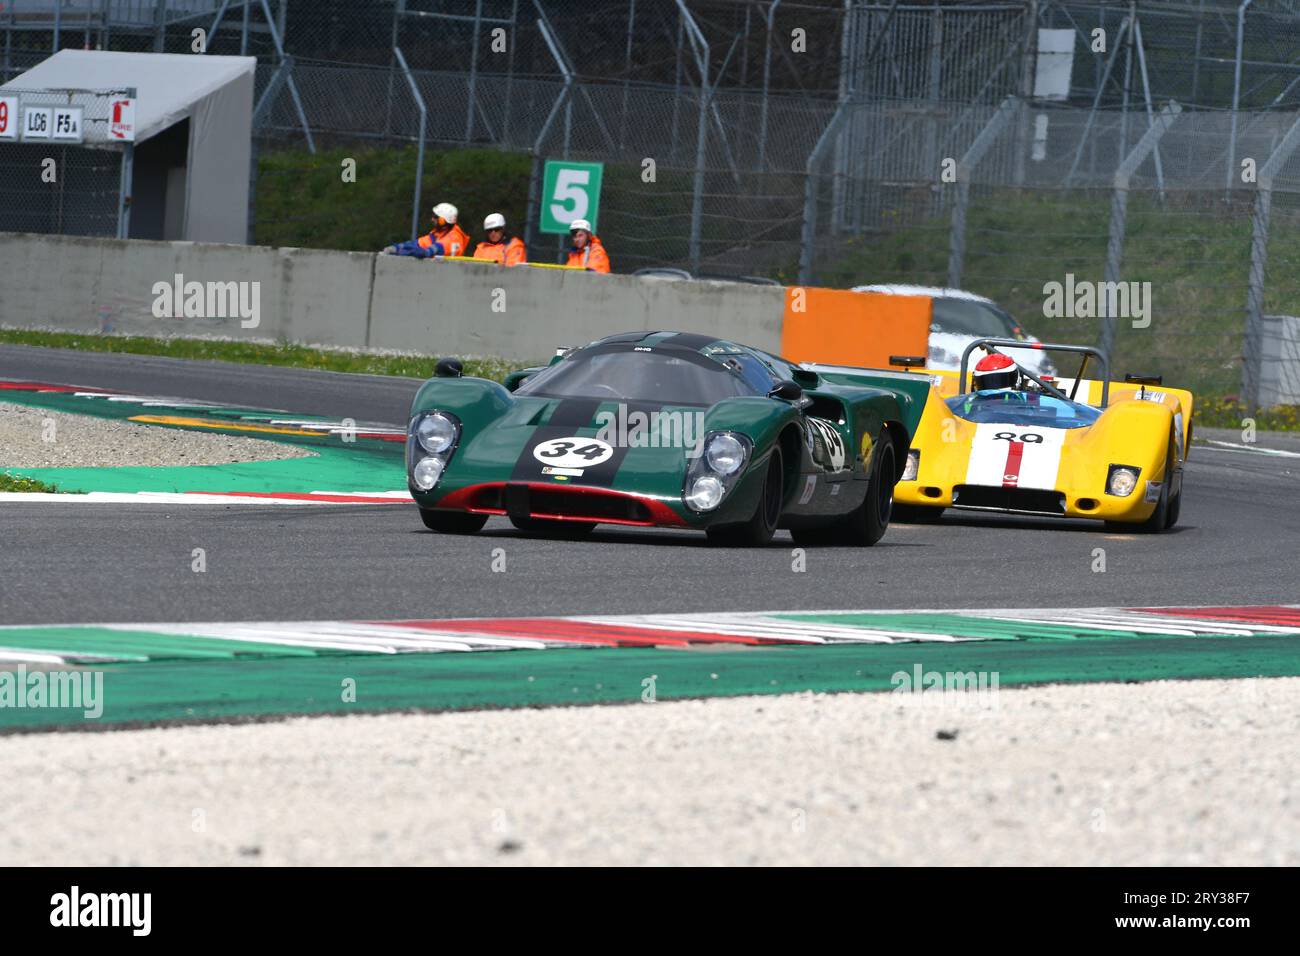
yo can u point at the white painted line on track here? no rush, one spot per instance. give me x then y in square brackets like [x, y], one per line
[749, 626]
[1163, 626]
[1249, 449]
[13, 655]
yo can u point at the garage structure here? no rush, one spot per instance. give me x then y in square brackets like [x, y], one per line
[143, 146]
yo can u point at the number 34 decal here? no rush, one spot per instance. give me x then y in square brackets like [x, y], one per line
[1029, 438]
[573, 452]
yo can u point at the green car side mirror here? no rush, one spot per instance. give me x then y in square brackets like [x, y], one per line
[787, 391]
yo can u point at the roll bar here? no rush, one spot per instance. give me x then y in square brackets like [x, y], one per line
[1087, 351]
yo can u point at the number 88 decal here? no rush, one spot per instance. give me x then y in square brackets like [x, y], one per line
[1029, 438]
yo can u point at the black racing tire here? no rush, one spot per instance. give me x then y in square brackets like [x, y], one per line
[452, 522]
[761, 526]
[550, 528]
[1159, 519]
[867, 524]
[1175, 507]
[916, 514]
[1175, 502]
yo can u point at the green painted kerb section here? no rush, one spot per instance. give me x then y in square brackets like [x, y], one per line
[233, 688]
[335, 465]
[329, 469]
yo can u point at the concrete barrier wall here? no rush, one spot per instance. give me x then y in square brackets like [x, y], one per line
[362, 299]
[108, 285]
[472, 309]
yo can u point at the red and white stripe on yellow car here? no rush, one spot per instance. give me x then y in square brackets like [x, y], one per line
[1015, 456]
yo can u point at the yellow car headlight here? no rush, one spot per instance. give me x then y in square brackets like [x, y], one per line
[1122, 480]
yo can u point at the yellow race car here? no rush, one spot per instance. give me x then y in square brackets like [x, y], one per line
[1058, 447]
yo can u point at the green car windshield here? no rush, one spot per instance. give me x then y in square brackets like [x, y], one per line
[1010, 407]
[677, 377]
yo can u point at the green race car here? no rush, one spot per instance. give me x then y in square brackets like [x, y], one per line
[664, 429]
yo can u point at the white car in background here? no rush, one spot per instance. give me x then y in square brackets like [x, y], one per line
[959, 317]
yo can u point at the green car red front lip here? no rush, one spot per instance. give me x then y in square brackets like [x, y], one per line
[563, 503]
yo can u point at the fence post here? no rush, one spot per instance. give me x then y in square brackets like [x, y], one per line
[697, 183]
[701, 49]
[1119, 214]
[419, 155]
[970, 159]
[957, 236]
[473, 72]
[810, 189]
[1236, 97]
[1253, 346]
[293, 87]
[126, 183]
[534, 181]
[530, 216]
[1114, 259]
[767, 79]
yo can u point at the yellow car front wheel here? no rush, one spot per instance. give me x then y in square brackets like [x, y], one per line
[1165, 515]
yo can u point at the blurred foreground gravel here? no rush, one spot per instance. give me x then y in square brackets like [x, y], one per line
[1195, 772]
[84, 441]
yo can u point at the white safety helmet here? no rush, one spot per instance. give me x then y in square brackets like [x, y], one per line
[580, 224]
[447, 211]
[494, 221]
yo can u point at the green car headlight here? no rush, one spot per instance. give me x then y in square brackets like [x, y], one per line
[715, 470]
[725, 453]
[431, 440]
[426, 472]
[705, 493]
[436, 433]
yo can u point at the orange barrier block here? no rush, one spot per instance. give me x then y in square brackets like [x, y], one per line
[853, 328]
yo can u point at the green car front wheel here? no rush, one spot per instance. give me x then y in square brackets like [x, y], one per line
[451, 522]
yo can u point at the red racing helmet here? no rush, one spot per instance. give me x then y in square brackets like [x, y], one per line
[996, 371]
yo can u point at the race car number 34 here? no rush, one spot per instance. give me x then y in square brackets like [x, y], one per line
[573, 452]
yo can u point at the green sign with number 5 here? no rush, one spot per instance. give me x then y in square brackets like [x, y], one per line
[570, 190]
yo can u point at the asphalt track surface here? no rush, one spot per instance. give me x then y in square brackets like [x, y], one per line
[1236, 543]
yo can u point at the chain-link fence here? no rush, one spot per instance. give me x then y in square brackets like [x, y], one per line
[816, 141]
[49, 186]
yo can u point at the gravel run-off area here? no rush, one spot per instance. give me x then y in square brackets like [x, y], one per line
[39, 438]
[1188, 773]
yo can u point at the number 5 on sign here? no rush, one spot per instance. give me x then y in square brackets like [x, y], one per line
[570, 191]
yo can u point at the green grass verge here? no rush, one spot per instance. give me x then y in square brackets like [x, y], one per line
[19, 483]
[248, 353]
